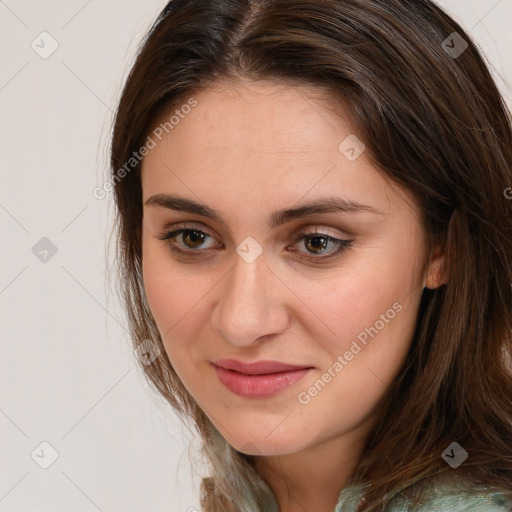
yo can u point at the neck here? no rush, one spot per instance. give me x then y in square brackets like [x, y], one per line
[312, 479]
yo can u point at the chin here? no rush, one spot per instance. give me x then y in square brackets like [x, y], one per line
[267, 447]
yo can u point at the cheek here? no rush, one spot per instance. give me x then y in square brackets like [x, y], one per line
[157, 285]
[167, 289]
[371, 313]
[168, 297]
[177, 295]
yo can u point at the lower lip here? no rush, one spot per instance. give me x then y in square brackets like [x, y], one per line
[259, 386]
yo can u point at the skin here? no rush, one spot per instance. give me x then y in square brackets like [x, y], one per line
[246, 150]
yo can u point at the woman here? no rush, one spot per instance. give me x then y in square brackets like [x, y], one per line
[315, 239]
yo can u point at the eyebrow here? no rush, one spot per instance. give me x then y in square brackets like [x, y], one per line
[328, 204]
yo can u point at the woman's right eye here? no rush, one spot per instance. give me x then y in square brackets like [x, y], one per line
[192, 239]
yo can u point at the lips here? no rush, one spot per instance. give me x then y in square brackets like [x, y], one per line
[258, 368]
[258, 380]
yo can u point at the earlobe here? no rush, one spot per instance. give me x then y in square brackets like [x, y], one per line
[435, 276]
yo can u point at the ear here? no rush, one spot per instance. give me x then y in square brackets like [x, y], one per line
[435, 275]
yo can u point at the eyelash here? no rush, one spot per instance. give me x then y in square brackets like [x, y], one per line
[168, 236]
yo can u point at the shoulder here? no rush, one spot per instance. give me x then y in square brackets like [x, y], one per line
[456, 500]
[437, 496]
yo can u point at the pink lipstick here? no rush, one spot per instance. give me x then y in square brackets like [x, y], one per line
[262, 379]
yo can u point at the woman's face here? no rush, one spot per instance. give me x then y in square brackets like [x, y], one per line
[251, 282]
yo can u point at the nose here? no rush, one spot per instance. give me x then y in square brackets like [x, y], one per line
[251, 304]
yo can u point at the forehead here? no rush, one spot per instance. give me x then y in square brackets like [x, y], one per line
[244, 115]
[264, 141]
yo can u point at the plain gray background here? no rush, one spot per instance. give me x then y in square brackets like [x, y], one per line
[68, 375]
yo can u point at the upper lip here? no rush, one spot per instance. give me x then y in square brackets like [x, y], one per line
[257, 368]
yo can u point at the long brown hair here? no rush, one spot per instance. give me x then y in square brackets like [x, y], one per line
[434, 122]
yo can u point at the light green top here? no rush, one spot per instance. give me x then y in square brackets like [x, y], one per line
[451, 496]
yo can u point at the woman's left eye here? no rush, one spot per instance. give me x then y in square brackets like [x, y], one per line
[318, 241]
[194, 236]
[193, 239]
